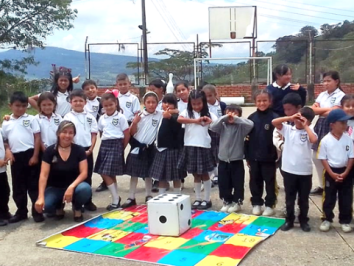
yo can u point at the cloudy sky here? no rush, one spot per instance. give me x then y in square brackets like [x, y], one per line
[182, 20]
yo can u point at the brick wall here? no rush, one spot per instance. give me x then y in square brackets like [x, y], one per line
[245, 90]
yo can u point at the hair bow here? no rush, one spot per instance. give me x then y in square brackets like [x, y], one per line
[114, 92]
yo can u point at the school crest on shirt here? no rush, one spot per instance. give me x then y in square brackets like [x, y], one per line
[26, 123]
[333, 100]
[115, 122]
[154, 122]
[89, 120]
[266, 126]
[303, 137]
[347, 148]
[128, 104]
[56, 121]
[95, 108]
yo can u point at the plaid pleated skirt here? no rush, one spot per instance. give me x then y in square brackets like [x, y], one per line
[215, 139]
[321, 129]
[138, 166]
[164, 167]
[110, 159]
[196, 160]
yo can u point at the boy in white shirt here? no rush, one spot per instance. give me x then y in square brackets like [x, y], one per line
[93, 103]
[297, 164]
[4, 187]
[336, 154]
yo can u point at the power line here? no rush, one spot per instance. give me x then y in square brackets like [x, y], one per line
[324, 7]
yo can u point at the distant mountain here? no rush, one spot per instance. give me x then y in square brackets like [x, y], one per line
[104, 67]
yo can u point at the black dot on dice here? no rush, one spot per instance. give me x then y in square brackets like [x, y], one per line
[156, 199]
[163, 219]
[171, 200]
[181, 207]
[189, 222]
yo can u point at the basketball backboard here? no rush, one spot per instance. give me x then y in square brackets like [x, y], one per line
[230, 23]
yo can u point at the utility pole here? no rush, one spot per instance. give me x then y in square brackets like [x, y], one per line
[145, 49]
[310, 55]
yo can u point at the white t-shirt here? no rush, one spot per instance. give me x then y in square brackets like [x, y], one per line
[85, 125]
[296, 157]
[326, 100]
[92, 107]
[130, 105]
[159, 105]
[63, 103]
[48, 128]
[112, 127]
[215, 109]
[147, 128]
[20, 132]
[336, 152]
[197, 135]
[182, 105]
[2, 152]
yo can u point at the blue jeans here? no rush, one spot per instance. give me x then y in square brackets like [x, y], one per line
[53, 197]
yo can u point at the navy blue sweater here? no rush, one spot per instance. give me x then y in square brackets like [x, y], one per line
[259, 142]
[278, 95]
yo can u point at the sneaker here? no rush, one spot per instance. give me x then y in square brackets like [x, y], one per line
[268, 211]
[90, 206]
[205, 205]
[316, 191]
[196, 204]
[102, 187]
[129, 202]
[257, 210]
[325, 226]
[236, 207]
[346, 228]
[225, 206]
[155, 186]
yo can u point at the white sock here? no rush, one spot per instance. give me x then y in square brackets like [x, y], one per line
[132, 188]
[198, 191]
[207, 190]
[114, 192]
[116, 185]
[176, 190]
[162, 191]
[211, 174]
[148, 186]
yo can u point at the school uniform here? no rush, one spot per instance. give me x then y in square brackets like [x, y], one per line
[169, 144]
[110, 159]
[141, 154]
[297, 171]
[262, 155]
[85, 125]
[159, 105]
[337, 153]
[63, 103]
[231, 169]
[93, 107]
[19, 132]
[48, 127]
[215, 137]
[182, 105]
[278, 93]
[4, 184]
[197, 156]
[130, 105]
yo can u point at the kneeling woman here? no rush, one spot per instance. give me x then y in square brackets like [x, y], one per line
[64, 168]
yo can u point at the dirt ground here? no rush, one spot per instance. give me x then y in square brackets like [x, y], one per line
[17, 241]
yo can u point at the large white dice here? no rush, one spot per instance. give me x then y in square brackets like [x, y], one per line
[169, 214]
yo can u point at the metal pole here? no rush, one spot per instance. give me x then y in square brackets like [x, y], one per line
[145, 49]
[310, 55]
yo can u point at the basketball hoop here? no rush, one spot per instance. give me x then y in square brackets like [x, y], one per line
[233, 34]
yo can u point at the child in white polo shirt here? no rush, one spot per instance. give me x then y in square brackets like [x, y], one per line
[297, 164]
[22, 135]
[93, 103]
[86, 133]
[128, 102]
[4, 187]
[336, 154]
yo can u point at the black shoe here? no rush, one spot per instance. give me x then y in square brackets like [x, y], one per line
[90, 207]
[3, 222]
[155, 186]
[147, 198]
[102, 187]
[38, 217]
[305, 227]
[5, 216]
[287, 226]
[17, 218]
[79, 219]
[196, 204]
[316, 191]
[112, 206]
[205, 205]
[129, 202]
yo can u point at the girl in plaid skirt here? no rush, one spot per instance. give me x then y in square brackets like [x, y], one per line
[326, 101]
[169, 143]
[197, 157]
[114, 130]
[143, 132]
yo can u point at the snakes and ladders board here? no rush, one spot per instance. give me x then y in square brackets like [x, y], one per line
[215, 238]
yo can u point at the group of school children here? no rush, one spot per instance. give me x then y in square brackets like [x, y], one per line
[191, 131]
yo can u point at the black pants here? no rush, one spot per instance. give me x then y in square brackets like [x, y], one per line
[88, 179]
[260, 173]
[297, 185]
[231, 181]
[24, 180]
[345, 197]
[4, 194]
